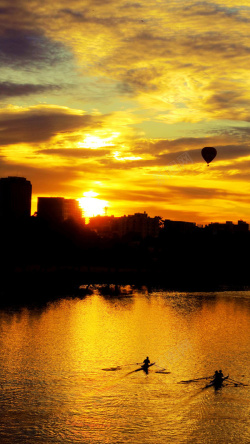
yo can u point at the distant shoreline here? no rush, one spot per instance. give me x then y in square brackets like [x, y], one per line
[38, 285]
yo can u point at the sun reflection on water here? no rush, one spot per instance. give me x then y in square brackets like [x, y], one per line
[54, 386]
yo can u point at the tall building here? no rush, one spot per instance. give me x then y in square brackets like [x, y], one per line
[72, 210]
[58, 209]
[51, 209]
[15, 198]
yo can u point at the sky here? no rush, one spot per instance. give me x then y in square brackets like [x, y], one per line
[116, 99]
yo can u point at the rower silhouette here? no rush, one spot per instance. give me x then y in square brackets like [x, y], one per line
[145, 365]
[218, 377]
[216, 374]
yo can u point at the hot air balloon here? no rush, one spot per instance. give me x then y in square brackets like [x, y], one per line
[208, 153]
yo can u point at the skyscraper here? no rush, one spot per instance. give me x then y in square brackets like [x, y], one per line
[51, 209]
[15, 198]
[72, 210]
[58, 209]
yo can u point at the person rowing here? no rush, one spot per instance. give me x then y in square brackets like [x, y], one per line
[218, 378]
[217, 381]
[145, 364]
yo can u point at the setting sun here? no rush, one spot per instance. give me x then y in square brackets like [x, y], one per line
[94, 142]
[91, 205]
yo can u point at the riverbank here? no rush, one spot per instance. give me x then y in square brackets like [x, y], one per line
[20, 285]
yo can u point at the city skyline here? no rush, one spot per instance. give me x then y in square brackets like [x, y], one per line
[89, 206]
[117, 101]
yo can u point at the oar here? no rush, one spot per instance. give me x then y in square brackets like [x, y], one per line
[238, 382]
[194, 380]
[133, 371]
[136, 370]
[134, 363]
[112, 369]
[160, 366]
[141, 368]
[119, 367]
[162, 370]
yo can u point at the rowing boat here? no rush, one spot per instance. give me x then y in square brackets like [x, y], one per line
[144, 367]
[217, 384]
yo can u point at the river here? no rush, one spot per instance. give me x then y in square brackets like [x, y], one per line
[54, 388]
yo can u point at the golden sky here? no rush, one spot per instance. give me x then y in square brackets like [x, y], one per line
[118, 98]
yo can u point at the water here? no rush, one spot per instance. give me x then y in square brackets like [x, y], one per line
[54, 388]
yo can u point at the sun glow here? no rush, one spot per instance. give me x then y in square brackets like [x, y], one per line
[91, 205]
[94, 142]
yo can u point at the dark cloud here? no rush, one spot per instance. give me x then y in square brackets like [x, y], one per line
[229, 100]
[208, 9]
[8, 89]
[131, 5]
[212, 42]
[39, 124]
[242, 132]
[88, 16]
[192, 193]
[170, 150]
[150, 46]
[21, 48]
[76, 15]
[15, 15]
[228, 152]
[97, 3]
[224, 152]
[181, 159]
[168, 193]
[171, 146]
[8, 10]
[139, 80]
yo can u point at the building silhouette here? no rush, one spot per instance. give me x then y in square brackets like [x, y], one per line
[51, 209]
[228, 227]
[104, 226]
[15, 198]
[178, 227]
[138, 223]
[57, 209]
[72, 210]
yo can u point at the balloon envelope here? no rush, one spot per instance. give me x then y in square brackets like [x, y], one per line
[208, 153]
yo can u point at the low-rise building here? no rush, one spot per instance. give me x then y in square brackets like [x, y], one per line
[228, 227]
[173, 226]
[138, 223]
